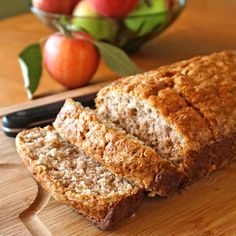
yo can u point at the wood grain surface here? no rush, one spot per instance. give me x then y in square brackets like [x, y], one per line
[205, 26]
[206, 208]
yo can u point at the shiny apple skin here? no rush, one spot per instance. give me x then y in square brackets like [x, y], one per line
[114, 8]
[87, 19]
[55, 6]
[72, 61]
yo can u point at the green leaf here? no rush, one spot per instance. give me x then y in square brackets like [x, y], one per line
[63, 21]
[30, 60]
[116, 59]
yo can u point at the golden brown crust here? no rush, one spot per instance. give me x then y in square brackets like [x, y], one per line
[209, 85]
[209, 158]
[103, 212]
[123, 209]
[123, 155]
[206, 84]
[197, 98]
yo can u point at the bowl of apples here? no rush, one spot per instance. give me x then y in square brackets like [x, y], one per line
[126, 24]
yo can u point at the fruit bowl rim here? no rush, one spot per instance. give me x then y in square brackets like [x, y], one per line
[181, 5]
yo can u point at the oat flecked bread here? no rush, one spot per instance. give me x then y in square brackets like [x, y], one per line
[75, 179]
[185, 111]
[122, 154]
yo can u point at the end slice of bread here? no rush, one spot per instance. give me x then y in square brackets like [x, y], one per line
[121, 153]
[75, 179]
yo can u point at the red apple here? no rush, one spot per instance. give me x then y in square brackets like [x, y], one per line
[73, 4]
[72, 61]
[114, 8]
[55, 6]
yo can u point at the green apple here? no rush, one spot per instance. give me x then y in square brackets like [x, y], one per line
[144, 18]
[87, 19]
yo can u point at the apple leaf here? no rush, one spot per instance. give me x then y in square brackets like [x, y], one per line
[116, 59]
[30, 60]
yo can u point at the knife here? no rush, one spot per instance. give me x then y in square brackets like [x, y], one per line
[43, 115]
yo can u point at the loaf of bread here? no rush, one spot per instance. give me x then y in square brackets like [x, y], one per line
[121, 153]
[75, 179]
[185, 111]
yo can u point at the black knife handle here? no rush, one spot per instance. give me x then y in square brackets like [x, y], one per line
[43, 115]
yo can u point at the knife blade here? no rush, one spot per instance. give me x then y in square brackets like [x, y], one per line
[43, 115]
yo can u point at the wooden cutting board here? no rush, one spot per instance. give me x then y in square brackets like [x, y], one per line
[208, 207]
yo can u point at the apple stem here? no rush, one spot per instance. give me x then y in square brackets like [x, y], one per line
[62, 28]
[148, 3]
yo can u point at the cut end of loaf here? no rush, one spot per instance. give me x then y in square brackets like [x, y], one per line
[137, 117]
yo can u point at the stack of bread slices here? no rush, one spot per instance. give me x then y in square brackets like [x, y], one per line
[150, 133]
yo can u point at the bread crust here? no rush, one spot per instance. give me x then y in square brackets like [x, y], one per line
[123, 209]
[209, 158]
[198, 98]
[204, 84]
[122, 154]
[106, 214]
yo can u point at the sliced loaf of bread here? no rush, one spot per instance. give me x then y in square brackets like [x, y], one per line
[75, 179]
[121, 153]
[185, 111]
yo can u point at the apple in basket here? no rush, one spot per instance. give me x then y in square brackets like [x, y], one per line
[154, 14]
[114, 8]
[55, 6]
[88, 20]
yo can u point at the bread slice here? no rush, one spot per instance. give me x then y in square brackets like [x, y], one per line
[123, 154]
[185, 111]
[75, 179]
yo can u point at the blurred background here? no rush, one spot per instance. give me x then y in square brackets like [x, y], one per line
[13, 7]
[205, 26]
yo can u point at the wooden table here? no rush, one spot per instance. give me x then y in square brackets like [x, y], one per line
[205, 26]
[208, 207]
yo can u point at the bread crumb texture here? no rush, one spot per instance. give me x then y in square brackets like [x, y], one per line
[70, 175]
[122, 153]
[176, 109]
